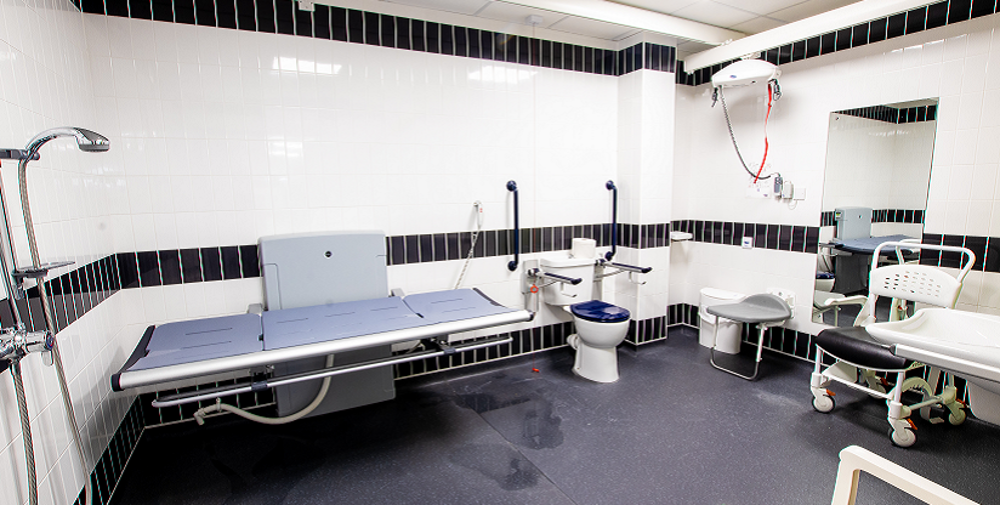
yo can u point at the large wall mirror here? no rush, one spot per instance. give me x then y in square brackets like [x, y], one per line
[878, 165]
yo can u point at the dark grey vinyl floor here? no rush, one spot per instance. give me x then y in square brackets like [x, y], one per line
[672, 431]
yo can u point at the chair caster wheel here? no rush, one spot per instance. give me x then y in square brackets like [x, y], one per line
[823, 403]
[902, 438]
[956, 418]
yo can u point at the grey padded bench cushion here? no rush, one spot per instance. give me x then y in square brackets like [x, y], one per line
[222, 337]
[763, 308]
[856, 346]
[307, 325]
[868, 245]
[200, 339]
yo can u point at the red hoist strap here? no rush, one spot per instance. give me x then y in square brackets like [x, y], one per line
[770, 98]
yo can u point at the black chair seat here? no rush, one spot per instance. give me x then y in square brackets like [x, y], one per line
[855, 345]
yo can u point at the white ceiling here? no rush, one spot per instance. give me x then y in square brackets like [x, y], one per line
[748, 17]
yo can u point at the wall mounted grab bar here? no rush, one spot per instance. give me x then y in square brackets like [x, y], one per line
[536, 272]
[512, 265]
[614, 220]
[627, 268]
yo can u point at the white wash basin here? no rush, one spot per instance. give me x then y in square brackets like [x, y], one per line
[965, 343]
[957, 333]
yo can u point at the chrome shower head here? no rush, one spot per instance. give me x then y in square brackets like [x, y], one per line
[86, 140]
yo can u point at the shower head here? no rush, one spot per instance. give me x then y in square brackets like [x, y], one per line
[88, 141]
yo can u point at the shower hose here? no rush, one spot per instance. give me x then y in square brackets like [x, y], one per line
[49, 323]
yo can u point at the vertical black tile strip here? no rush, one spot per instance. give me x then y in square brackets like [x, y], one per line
[983, 8]
[265, 16]
[412, 249]
[475, 43]
[355, 26]
[447, 39]
[433, 33]
[128, 270]
[799, 50]
[149, 270]
[205, 13]
[231, 268]
[321, 22]
[426, 244]
[812, 47]
[371, 31]
[397, 250]
[844, 39]
[937, 14]
[440, 247]
[417, 40]
[184, 12]
[211, 263]
[97, 7]
[191, 265]
[461, 41]
[338, 24]
[140, 9]
[916, 19]
[303, 22]
[828, 43]
[246, 14]
[170, 267]
[403, 33]
[859, 35]
[896, 26]
[959, 10]
[250, 261]
[387, 25]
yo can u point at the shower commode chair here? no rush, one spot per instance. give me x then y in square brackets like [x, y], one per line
[854, 350]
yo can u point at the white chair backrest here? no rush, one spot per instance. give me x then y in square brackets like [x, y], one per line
[914, 282]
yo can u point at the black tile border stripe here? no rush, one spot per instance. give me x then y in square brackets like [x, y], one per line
[108, 470]
[894, 115]
[904, 23]
[908, 216]
[78, 291]
[779, 237]
[372, 28]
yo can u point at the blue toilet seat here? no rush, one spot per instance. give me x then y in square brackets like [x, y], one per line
[600, 312]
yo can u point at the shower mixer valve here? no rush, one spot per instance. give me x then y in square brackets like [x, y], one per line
[17, 342]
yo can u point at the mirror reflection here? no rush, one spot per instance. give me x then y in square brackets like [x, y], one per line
[878, 166]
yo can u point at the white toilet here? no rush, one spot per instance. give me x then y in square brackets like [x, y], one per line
[600, 326]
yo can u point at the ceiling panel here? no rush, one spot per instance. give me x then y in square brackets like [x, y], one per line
[518, 14]
[467, 7]
[664, 6]
[757, 25]
[598, 29]
[760, 7]
[714, 13]
[808, 9]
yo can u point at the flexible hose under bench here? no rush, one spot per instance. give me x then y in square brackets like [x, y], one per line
[218, 406]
